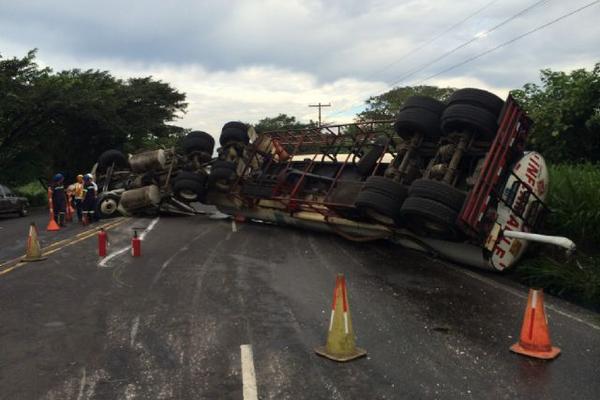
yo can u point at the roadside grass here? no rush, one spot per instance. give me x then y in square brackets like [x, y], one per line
[574, 199]
[34, 192]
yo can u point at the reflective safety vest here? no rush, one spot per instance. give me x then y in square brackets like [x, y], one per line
[78, 192]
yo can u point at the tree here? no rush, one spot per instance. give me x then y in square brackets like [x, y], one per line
[282, 121]
[386, 105]
[566, 114]
[63, 121]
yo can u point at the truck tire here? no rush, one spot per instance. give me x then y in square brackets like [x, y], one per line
[478, 98]
[367, 163]
[458, 117]
[417, 119]
[430, 218]
[381, 199]
[107, 205]
[386, 187]
[198, 141]
[428, 103]
[109, 157]
[188, 186]
[439, 191]
[234, 132]
[222, 174]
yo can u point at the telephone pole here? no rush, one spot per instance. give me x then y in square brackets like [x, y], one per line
[320, 106]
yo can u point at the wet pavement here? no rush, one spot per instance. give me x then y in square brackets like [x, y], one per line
[169, 325]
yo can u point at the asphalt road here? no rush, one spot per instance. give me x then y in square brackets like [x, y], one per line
[169, 325]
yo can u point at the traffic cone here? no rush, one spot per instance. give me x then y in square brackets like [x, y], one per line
[34, 251]
[341, 344]
[535, 338]
[52, 225]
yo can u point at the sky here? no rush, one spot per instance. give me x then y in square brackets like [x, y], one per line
[246, 60]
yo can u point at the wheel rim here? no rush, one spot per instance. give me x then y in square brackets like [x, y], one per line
[108, 206]
[188, 195]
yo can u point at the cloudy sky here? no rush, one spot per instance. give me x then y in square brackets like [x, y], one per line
[244, 60]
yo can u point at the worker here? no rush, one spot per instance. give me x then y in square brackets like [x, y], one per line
[59, 198]
[89, 199]
[78, 196]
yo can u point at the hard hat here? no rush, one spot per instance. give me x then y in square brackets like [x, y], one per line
[58, 177]
[79, 176]
[89, 176]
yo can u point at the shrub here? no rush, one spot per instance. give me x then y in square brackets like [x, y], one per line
[574, 198]
[35, 193]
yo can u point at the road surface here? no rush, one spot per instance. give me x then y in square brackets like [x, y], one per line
[208, 296]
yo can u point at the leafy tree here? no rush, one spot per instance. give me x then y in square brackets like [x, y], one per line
[63, 121]
[282, 121]
[565, 109]
[386, 105]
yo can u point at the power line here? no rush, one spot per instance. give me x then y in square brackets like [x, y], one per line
[431, 40]
[468, 42]
[320, 106]
[521, 36]
[460, 46]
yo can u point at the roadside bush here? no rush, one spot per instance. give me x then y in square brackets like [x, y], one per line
[34, 192]
[574, 198]
[576, 279]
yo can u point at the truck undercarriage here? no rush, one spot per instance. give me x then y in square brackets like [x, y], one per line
[450, 178]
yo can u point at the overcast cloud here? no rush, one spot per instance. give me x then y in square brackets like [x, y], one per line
[250, 59]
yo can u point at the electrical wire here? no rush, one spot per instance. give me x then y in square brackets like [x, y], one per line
[431, 40]
[468, 42]
[519, 37]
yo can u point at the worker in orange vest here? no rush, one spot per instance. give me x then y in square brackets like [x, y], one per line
[78, 196]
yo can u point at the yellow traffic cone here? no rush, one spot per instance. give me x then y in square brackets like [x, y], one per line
[34, 251]
[340, 345]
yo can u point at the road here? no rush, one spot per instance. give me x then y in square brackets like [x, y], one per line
[170, 324]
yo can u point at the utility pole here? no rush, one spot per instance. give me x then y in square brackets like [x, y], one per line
[320, 106]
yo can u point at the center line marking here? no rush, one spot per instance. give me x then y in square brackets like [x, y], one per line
[248, 374]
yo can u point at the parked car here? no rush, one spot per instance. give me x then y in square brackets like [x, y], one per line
[11, 203]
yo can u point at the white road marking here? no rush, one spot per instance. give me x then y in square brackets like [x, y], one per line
[82, 384]
[233, 226]
[248, 374]
[517, 293]
[105, 260]
[134, 330]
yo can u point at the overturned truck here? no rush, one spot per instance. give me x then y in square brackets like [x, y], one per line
[450, 178]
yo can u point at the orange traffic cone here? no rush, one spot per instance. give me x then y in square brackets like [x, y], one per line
[52, 225]
[341, 344]
[535, 338]
[70, 209]
[34, 250]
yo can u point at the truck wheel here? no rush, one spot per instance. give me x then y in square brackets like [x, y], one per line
[439, 191]
[458, 117]
[109, 157]
[107, 205]
[222, 174]
[198, 141]
[381, 199]
[413, 118]
[430, 218]
[188, 186]
[428, 103]
[478, 98]
[367, 163]
[233, 132]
